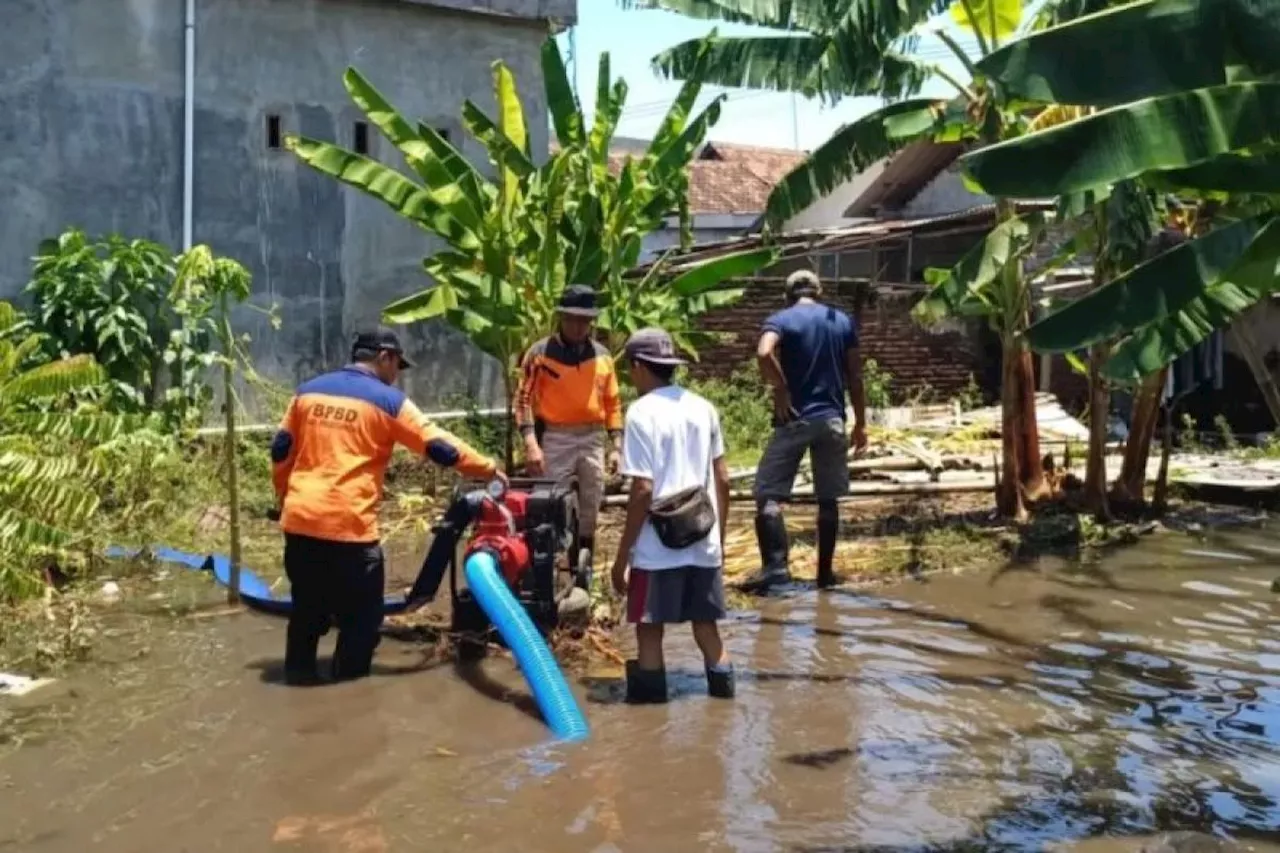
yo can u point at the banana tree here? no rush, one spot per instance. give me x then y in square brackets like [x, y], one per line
[1188, 106]
[517, 235]
[836, 49]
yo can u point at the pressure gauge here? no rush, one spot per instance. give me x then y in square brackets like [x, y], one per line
[496, 489]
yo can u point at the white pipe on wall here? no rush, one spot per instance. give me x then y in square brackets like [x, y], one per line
[189, 125]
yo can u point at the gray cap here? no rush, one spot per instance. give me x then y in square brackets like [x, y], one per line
[803, 283]
[653, 346]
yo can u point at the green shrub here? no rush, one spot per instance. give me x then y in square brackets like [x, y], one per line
[746, 411]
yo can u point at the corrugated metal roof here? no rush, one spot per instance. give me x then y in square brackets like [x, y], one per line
[839, 238]
[906, 174]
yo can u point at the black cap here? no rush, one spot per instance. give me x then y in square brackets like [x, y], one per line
[653, 346]
[802, 283]
[376, 340]
[578, 300]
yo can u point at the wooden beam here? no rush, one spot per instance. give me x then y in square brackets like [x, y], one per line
[1261, 375]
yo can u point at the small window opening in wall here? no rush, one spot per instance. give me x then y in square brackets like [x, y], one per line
[360, 138]
[273, 132]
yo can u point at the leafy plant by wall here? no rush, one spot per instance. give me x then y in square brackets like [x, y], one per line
[113, 299]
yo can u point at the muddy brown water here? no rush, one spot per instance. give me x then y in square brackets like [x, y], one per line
[1037, 706]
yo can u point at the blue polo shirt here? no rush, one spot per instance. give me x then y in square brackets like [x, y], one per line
[814, 340]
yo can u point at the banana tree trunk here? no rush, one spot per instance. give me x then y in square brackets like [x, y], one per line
[1095, 478]
[1030, 463]
[1130, 486]
[1009, 490]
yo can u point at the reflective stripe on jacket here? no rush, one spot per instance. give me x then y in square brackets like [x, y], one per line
[568, 386]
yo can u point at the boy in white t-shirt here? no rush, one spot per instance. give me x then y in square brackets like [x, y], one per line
[671, 442]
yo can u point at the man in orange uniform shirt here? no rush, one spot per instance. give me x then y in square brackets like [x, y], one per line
[567, 401]
[329, 458]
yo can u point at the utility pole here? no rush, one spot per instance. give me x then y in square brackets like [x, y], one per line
[795, 123]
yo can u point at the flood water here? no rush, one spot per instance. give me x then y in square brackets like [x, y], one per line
[1031, 707]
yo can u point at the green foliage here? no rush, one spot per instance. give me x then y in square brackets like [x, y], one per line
[514, 242]
[211, 287]
[971, 396]
[1188, 106]
[1225, 434]
[746, 411]
[481, 431]
[51, 455]
[114, 300]
[1189, 436]
[877, 384]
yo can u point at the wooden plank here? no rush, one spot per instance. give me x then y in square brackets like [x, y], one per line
[1261, 375]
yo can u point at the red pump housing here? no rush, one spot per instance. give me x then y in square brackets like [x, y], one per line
[493, 533]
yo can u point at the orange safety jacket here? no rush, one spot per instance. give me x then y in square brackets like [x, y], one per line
[562, 385]
[332, 449]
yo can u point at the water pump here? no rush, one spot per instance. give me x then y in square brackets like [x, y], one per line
[530, 527]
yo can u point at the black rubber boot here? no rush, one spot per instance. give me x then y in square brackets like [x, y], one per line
[828, 527]
[771, 535]
[645, 687]
[720, 683]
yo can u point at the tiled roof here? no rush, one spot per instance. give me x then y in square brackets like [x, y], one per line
[728, 178]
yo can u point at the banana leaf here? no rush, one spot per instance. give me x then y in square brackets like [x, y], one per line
[459, 169]
[502, 151]
[707, 275]
[813, 65]
[1231, 173]
[676, 120]
[1255, 276]
[1156, 134]
[677, 155]
[812, 15]
[511, 126]
[440, 180]
[1134, 51]
[566, 113]
[962, 290]
[1149, 293]
[996, 19]
[850, 150]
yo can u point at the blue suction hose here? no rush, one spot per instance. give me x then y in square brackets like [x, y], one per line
[550, 690]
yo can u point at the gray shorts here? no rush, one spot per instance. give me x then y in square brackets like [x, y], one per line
[686, 594]
[828, 448]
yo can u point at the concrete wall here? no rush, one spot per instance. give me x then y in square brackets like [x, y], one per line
[707, 228]
[91, 130]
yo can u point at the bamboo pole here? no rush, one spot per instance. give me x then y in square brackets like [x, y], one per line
[233, 480]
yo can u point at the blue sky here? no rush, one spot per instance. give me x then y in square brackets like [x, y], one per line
[775, 119]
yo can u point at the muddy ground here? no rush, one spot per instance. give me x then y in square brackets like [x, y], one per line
[881, 540]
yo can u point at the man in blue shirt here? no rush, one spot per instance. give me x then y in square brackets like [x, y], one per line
[808, 353]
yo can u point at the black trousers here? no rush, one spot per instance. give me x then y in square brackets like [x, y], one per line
[333, 583]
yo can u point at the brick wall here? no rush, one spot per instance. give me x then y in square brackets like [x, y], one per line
[912, 355]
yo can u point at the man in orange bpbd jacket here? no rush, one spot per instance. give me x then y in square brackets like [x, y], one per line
[328, 459]
[567, 401]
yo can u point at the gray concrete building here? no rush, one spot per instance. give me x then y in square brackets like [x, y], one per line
[94, 132]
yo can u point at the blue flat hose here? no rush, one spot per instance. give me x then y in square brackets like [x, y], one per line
[546, 681]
